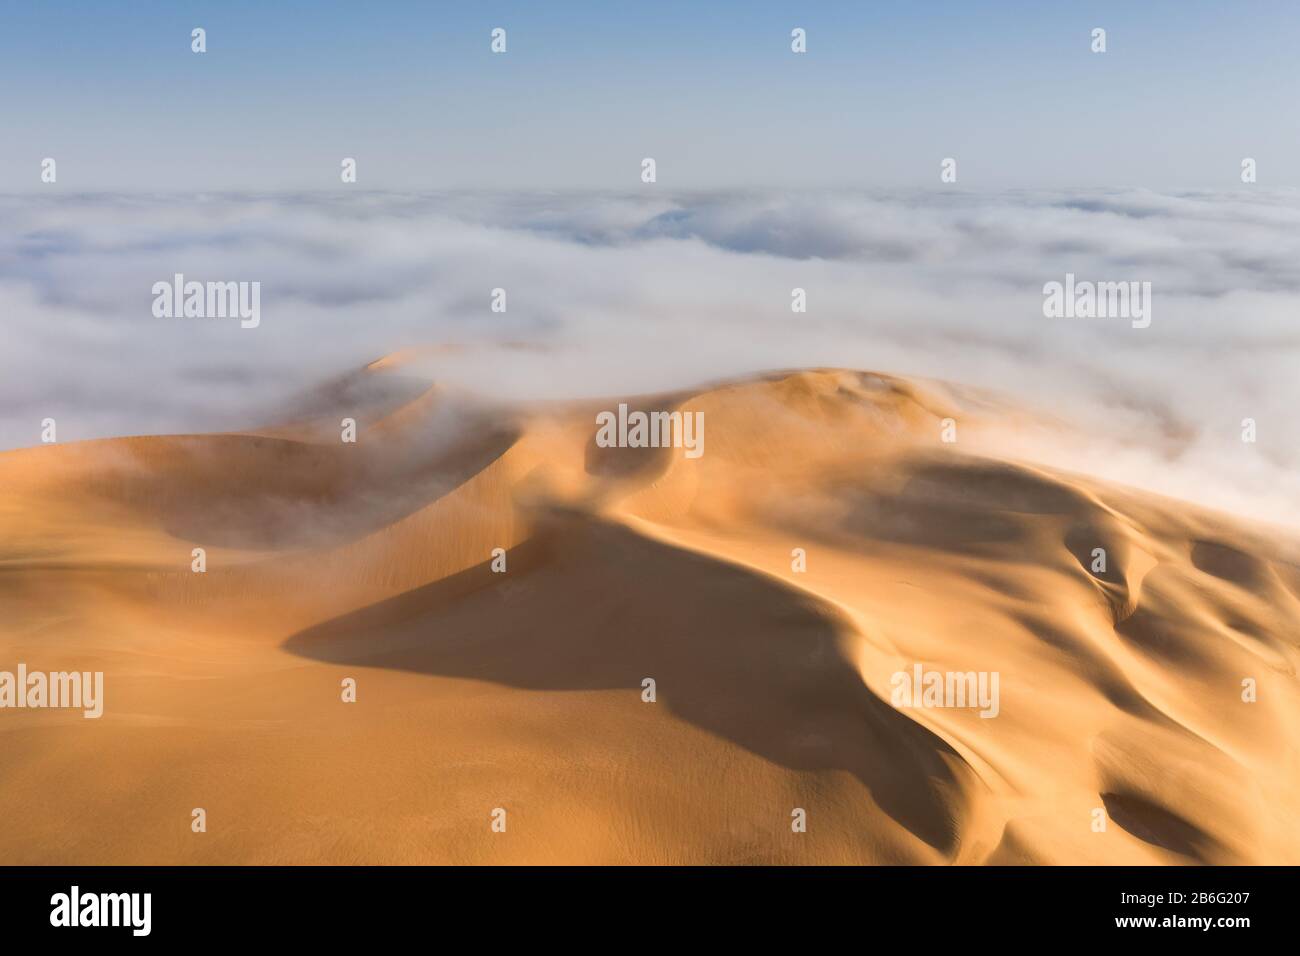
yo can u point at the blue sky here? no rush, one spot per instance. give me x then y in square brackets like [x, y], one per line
[1011, 89]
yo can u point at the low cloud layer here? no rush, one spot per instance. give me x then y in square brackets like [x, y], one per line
[639, 292]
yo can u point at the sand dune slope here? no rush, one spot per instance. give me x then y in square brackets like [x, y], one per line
[827, 541]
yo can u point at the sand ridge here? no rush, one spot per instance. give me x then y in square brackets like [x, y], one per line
[1121, 689]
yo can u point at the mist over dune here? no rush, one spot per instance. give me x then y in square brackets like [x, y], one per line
[655, 290]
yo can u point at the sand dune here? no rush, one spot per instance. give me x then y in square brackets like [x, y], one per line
[1121, 733]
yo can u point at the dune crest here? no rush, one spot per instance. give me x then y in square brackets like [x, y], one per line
[828, 539]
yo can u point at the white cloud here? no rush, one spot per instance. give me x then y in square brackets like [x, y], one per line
[645, 291]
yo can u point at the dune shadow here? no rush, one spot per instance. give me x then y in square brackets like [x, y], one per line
[628, 462]
[589, 605]
[1229, 564]
[255, 492]
[1158, 826]
[967, 506]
